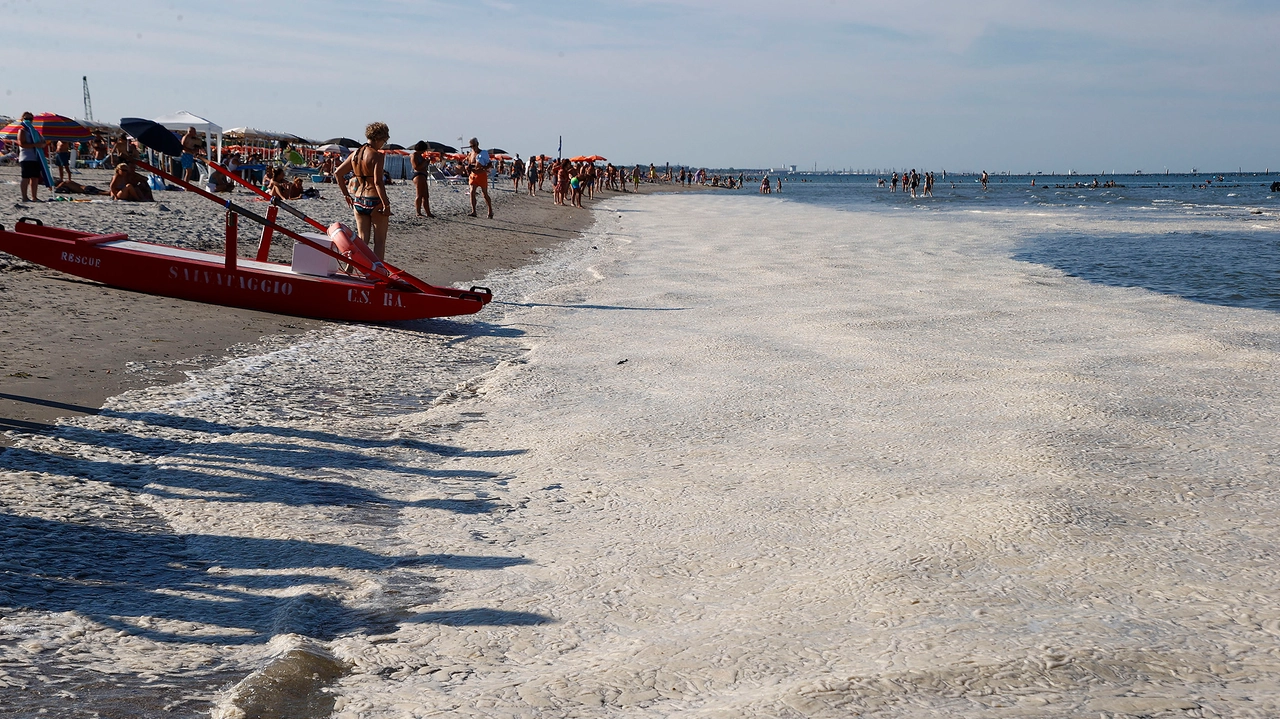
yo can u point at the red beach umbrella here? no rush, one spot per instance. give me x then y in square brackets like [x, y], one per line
[51, 127]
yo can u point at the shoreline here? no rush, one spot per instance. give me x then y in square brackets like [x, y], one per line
[73, 343]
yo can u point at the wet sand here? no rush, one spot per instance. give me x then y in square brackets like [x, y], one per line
[72, 343]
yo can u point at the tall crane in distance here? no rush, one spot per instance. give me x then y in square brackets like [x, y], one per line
[88, 105]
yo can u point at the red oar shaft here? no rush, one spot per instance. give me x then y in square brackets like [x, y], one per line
[281, 203]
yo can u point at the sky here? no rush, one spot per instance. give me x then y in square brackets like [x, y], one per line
[1001, 85]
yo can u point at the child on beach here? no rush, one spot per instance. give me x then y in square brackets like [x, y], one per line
[575, 185]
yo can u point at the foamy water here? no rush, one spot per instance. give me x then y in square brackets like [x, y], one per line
[730, 456]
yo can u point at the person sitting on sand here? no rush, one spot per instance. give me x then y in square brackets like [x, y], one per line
[281, 188]
[478, 162]
[219, 182]
[370, 203]
[128, 185]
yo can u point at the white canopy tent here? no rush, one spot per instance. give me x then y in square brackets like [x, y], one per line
[182, 120]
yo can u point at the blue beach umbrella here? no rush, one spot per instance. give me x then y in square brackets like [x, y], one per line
[152, 134]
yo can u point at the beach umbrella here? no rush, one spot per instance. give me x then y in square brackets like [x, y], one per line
[499, 156]
[152, 134]
[455, 156]
[579, 158]
[344, 141]
[495, 151]
[51, 127]
[440, 147]
[393, 146]
[335, 149]
[597, 158]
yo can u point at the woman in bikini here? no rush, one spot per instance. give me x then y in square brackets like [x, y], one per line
[371, 206]
[422, 198]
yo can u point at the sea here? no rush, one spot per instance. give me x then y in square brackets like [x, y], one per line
[829, 452]
[1209, 238]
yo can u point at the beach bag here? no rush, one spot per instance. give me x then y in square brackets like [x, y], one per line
[156, 183]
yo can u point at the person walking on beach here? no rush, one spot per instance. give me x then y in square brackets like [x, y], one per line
[30, 145]
[533, 176]
[517, 173]
[478, 179]
[370, 204]
[562, 181]
[62, 158]
[421, 174]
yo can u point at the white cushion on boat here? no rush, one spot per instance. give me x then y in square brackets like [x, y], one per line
[309, 261]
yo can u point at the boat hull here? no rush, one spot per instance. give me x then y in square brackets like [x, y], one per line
[204, 277]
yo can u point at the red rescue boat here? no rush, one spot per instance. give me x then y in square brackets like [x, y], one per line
[366, 289]
[117, 261]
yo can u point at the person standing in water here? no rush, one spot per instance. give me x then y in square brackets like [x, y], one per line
[421, 175]
[478, 179]
[984, 180]
[370, 204]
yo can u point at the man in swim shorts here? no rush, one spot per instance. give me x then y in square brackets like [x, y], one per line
[190, 145]
[62, 159]
[478, 163]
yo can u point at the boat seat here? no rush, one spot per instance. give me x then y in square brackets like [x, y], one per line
[100, 239]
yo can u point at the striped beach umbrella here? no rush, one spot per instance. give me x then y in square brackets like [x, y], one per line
[52, 127]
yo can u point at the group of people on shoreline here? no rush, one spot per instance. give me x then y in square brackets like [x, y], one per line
[361, 175]
[912, 181]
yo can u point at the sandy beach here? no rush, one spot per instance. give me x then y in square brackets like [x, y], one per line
[70, 343]
[717, 457]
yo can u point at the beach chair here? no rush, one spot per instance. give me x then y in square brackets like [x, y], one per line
[450, 181]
